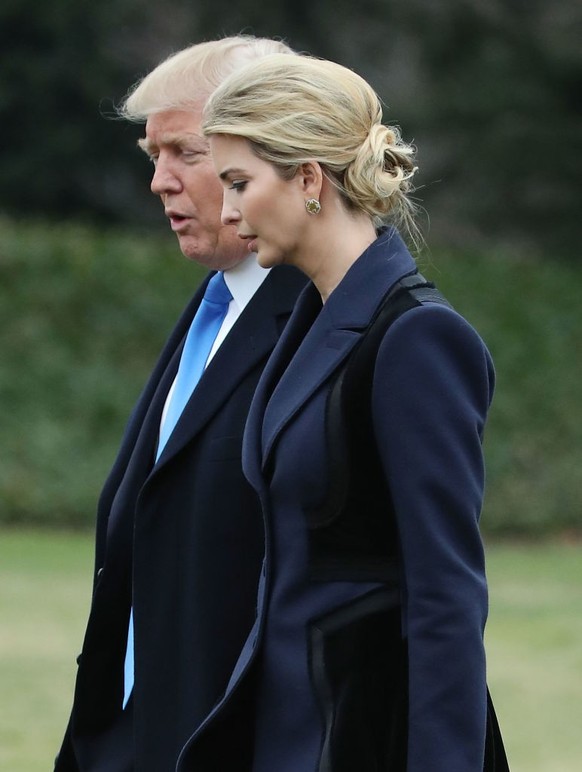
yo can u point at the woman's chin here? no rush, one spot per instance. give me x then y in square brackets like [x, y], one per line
[266, 260]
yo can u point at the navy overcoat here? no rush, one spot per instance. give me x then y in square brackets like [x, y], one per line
[347, 668]
[182, 541]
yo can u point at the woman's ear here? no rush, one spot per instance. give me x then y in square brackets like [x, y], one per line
[310, 176]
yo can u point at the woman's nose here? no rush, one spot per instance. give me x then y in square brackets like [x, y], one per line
[230, 215]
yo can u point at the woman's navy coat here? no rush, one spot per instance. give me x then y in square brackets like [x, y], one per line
[354, 671]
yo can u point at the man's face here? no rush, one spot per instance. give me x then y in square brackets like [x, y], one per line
[185, 180]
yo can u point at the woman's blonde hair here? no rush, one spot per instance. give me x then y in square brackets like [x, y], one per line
[299, 109]
[187, 78]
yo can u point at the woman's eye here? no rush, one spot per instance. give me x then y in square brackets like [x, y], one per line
[238, 185]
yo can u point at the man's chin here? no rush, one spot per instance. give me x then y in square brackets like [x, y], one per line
[213, 256]
[194, 249]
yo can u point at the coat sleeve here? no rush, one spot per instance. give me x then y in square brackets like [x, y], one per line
[432, 388]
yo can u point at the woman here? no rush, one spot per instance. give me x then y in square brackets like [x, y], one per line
[369, 651]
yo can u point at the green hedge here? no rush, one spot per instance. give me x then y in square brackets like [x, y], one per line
[84, 312]
[83, 315]
[530, 315]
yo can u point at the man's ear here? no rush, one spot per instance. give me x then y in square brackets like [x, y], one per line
[310, 176]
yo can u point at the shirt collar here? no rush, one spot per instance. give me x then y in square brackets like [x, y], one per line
[245, 279]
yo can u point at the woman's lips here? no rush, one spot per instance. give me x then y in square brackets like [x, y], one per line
[251, 242]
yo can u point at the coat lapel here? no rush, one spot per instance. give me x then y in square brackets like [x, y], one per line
[134, 459]
[320, 354]
[306, 309]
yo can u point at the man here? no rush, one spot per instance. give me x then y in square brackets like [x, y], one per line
[179, 530]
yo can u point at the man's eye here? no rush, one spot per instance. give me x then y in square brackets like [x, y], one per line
[238, 185]
[153, 159]
[193, 155]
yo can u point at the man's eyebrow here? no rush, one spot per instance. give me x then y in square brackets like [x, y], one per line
[144, 144]
[176, 139]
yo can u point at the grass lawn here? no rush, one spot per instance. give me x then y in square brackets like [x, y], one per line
[534, 644]
[44, 595]
[534, 641]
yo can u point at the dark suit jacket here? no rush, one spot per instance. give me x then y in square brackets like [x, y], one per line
[182, 541]
[351, 672]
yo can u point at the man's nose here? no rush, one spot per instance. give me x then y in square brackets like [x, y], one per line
[164, 180]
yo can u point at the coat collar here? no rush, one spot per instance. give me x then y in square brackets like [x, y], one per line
[314, 344]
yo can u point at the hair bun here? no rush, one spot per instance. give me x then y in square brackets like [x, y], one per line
[379, 178]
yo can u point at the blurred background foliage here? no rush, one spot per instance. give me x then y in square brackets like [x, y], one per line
[91, 282]
[490, 90]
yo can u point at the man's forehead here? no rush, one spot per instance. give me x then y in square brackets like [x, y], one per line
[174, 127]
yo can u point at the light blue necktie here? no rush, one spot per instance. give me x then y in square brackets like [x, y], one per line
[199, 341]
[201, 336]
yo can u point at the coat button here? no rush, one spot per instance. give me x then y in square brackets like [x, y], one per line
[100, 571]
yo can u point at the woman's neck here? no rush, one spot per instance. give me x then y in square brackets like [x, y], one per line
[332, 247]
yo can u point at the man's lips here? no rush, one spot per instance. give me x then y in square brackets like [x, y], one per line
[177, 219]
